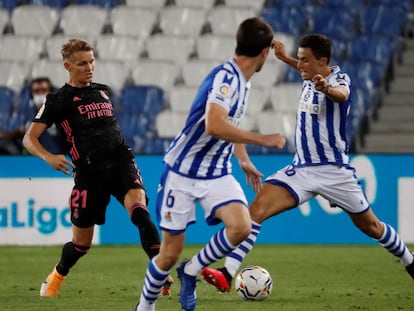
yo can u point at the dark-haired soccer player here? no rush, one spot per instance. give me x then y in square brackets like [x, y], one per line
[321, 163]
[198, 168]
[102, 162]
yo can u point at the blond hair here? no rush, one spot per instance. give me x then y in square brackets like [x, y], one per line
[74, 45]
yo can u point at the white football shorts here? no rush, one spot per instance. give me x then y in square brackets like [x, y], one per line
[338, 185]
[178, 195]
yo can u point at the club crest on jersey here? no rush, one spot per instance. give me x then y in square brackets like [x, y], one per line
[103, 94]
[224, 90]
[167, 216]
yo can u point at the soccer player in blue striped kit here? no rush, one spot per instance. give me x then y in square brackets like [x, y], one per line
[321, 163]
[198, 168]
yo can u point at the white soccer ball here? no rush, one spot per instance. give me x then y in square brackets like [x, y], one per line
[254, 283]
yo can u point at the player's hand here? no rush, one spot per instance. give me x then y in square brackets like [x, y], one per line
[253, 176]
[60, 163]
[274, 140]
[279, 49]
[320, 83]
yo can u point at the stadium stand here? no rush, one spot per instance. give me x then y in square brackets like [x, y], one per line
[20, 48]
[253, 5]
[54, 43]
[147, 72]
[181, 98]
[215, 48]
[182, 21]
[33, 20]
[170, 45]
[114, 73]
[49, 68]
[195, 70]
[4, 19]
[13, 74]
[119, 47]
[153, 4]
[176, 49]
[83, 20]
[133, 21]
[7, 97]
[224, 20]
[201, 4]
[168, 121]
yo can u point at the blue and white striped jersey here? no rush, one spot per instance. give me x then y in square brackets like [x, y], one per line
[320, 135]
[193, 152]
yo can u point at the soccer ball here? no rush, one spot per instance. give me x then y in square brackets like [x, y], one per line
[254, 283]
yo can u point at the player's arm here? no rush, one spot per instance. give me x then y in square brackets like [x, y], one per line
[253, 176]
[218, 126]
[32, 144]
[280, 52]
[337, 93]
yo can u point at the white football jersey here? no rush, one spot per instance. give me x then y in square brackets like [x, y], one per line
[193, 152]
[320, 135]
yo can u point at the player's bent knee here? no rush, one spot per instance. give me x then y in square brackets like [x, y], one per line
[257, 212]
[167, 259]
[239, 232]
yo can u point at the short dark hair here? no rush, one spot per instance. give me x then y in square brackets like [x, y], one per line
[320, 45]
[253, 35]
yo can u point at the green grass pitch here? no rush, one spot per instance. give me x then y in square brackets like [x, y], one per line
[306, 278]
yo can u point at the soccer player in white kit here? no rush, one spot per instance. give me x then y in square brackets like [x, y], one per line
[321, 163]
[198, 168]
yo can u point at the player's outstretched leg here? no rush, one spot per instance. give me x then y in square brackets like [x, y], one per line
[392, 242]
[71, 252]
[50, 287]
[222, 278]
[410, 269]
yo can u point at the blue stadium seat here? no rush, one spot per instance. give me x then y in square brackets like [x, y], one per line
[135, 128]
[102, 3]
[371, 48]
[349, 5]
[335, 23]
[383, 20]
[366, 78]
[140, 99]
[133, 124]
[24, 100]
[8, 5]
[7, 97]
[285, 3]
[357, 112]
[292, 76]
[58, 4]
[291, 20]
[156, 145]
[406, 4]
